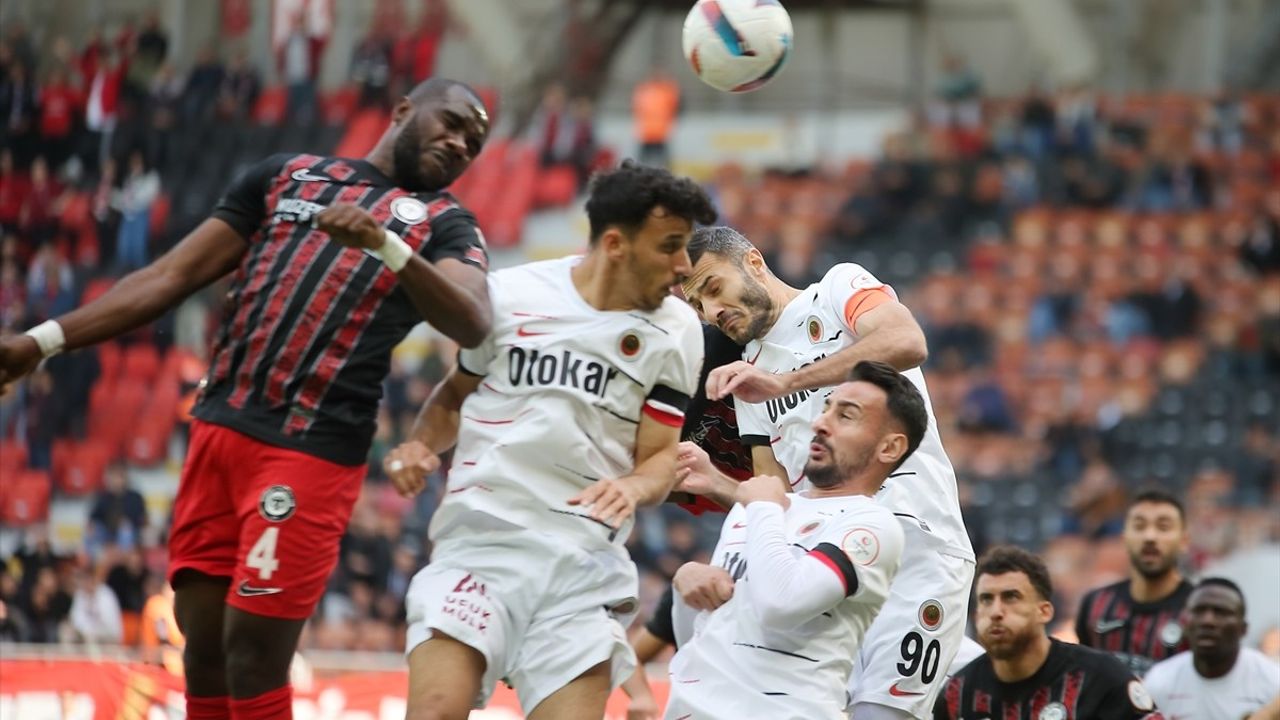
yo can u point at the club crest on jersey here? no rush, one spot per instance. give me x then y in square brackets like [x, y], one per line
[630, 345]
[408, 210]
[1171, 633]
[277, 503]
[861, 545]
[1053, 711]
[814, 326]
[930, 615]
[1139, 696]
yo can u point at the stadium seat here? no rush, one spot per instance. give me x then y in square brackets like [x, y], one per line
[338, 106]
[141, 362]
[13, 456]
[85, 466]
[26, 499]
[272, 106]
[556, 187]
[148, 445]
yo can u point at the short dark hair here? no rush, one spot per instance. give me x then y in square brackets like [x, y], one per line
[1223, 582]
[1159, 496]
[905, 402]
[1007, 558]
[434, 88]
[720, 240]
[624, 197]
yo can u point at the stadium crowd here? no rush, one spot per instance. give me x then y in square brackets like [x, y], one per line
[1099, 279]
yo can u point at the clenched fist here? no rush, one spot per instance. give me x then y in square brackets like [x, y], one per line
[350, 226]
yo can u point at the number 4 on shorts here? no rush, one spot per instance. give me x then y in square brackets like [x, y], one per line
[262, 556]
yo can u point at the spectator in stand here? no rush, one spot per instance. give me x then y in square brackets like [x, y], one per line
[1260, 245]
[19, 41]
[14, 186]
[152, 46]
[298, 69]
[101, 109]
[127, 577]
[161, 639]
[654, 105]
[90, 56]
[138, 193]
[415, 50]
[46, 607]
[239, 88]
[371, 70]
[119, 513]
[60, 105]
[204, 84]
[38, 220]
[51, 288]
[18, 112]
[95, 611]
[1257, 467]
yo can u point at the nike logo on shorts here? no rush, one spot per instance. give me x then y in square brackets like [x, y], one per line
[247, 590]
[306, 176]
[1106, 626]
[894, 691]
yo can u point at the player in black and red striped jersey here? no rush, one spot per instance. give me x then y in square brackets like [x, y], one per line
[1025, 674]
[1138, 620]
[335, 260]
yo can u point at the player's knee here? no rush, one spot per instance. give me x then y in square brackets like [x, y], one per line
[254, 667]
[437, 704]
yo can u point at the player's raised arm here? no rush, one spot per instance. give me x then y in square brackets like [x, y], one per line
[212, 250]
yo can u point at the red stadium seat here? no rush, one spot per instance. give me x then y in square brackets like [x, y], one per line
[13, 456]
[109, 360]
[272, 106]
[159, 220]
[149, 443]
[95, 289]
[85, 467]
[556, 187]
[338, 106]
[142, 362]
[26, 499]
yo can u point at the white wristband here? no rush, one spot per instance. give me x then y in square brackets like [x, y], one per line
[49, 336]
[394, 253]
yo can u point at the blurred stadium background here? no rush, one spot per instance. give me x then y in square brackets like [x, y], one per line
[1079, 199]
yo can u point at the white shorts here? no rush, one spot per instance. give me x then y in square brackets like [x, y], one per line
[539, 609]
[904, 657]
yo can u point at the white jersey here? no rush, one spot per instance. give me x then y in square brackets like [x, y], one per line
[741, 662]
[564, 389]
[811, 327]
[1182, 694]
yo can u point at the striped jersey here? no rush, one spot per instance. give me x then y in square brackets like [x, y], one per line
[1139, 634]
[1074, 683]
[308, 330]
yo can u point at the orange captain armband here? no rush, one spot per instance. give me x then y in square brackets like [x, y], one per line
[862, 301]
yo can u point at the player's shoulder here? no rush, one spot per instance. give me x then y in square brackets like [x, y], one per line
[679, 313]
[978, 670]
[1120, 587]
[1163, 672]
[1259, 662]
[1099, 663]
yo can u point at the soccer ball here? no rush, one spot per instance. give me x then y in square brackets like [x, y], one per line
[737, 45]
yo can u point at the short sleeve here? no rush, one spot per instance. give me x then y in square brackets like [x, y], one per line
[455, 235]
[475, 361]
[754, 427]
[244, 205]
[678, 377]
[865, 550]
[850, 291]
